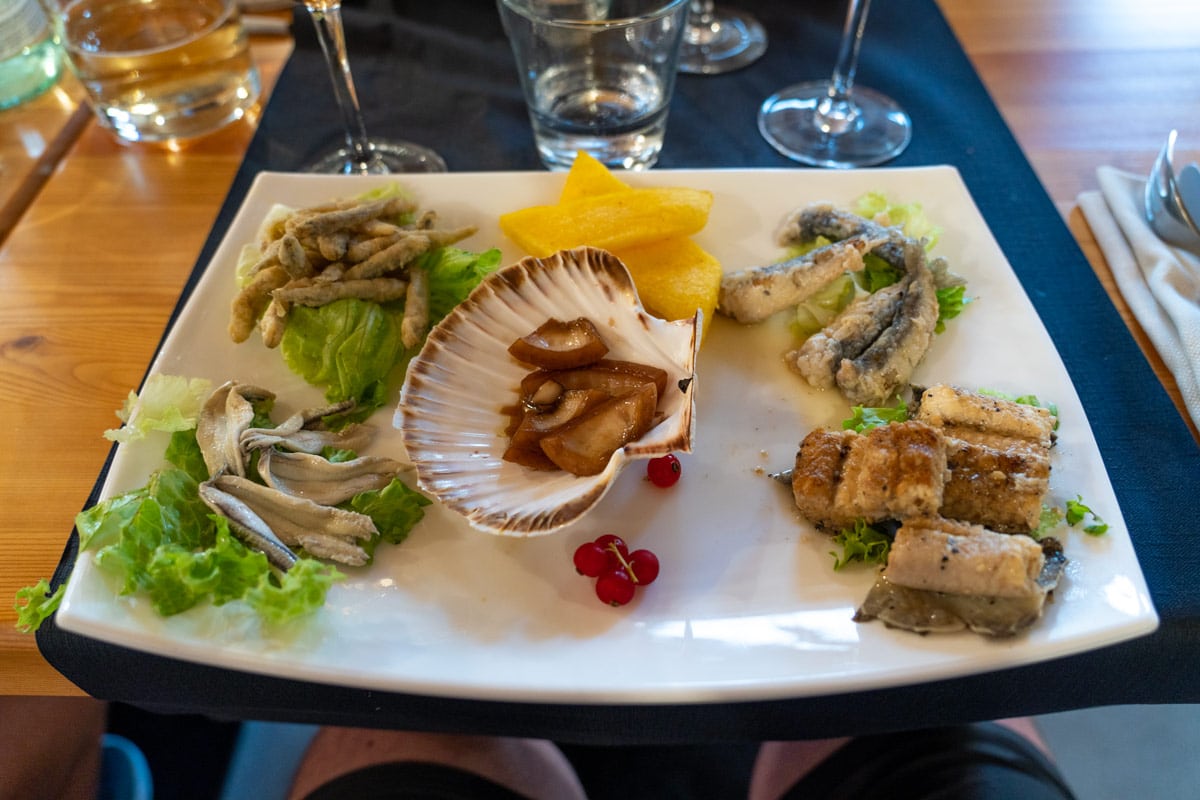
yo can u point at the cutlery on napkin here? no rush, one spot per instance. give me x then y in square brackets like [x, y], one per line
[1160, 282]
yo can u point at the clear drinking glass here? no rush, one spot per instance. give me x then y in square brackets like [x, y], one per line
[719, 40]
[835, 123]
[362, 155]
[597, 75]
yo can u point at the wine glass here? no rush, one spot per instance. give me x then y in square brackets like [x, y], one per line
[719, 40]
[835, 123]
[361, 155]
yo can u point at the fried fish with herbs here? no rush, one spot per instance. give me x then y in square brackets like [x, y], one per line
[366, 249]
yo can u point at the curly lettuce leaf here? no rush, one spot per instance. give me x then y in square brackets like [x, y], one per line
[165, 403]
[1077, 512]
[910, 217]
[864, 418]
[951, 301]
[349, 347]
[453, 274]
[35, 604]
[861, 544]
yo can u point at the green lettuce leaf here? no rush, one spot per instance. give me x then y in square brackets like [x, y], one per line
[395, 509]
[352, 347]
[453, 273]
[349, 347]
[865, 418]
[863, 544]
[910, 217]
[283, 597]
[35, 604]
[165, 403]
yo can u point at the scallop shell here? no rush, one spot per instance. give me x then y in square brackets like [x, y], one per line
[452, 408]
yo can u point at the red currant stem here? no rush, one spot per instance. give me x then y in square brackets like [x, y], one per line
[628, 566]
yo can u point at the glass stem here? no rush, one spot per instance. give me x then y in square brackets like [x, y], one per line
[837, 113]
[332, 36]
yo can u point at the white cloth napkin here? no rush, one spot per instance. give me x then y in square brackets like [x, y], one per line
[1161, 283]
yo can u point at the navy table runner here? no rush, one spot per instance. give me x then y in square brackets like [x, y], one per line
[442, 74]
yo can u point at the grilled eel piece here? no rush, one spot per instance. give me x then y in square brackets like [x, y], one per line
[998, 455]
[944, 576]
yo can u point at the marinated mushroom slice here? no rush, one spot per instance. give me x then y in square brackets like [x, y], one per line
[585, 445]
[560, 345]
[525, 445]
[609, 375]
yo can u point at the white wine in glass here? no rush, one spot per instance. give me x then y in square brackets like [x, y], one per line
[835, 123]
[361, 155]
[719, 40]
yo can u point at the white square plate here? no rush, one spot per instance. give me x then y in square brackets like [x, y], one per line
[748, 605]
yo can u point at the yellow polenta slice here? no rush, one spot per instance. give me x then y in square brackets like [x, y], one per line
[674, 277]
[589, 178]
[610, 221]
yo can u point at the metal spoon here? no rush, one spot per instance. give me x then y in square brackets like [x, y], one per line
[1167, 202]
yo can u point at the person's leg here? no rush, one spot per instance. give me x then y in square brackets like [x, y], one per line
[531, 768]
[984, 761]
[50, 747]
[780, 765]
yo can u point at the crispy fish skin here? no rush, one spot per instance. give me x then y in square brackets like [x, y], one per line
[752, 295]
[942, 555]
[847, 336]
[381, 290]
[825, 220]
[886, 367]
[891, 472]
[253, 300]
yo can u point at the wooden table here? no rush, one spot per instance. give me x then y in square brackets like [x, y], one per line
[97, 238]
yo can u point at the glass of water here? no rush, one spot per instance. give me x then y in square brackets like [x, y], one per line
[159, 70]
[597, 75]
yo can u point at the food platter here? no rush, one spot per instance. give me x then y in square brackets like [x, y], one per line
[748, 605]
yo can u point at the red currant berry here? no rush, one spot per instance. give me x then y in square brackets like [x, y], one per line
[590, 559]
[615, 587]
[644, 566]
[613, 545]
[664, 471]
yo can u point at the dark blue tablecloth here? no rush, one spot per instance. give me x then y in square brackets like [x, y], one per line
[441, 73]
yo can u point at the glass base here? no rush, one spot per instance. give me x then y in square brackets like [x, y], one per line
[732, 41]
[385, 158]
[870, 129]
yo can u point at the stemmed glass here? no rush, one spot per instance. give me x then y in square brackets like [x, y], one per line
[361, 155]
[835, 123]
[719, 40]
